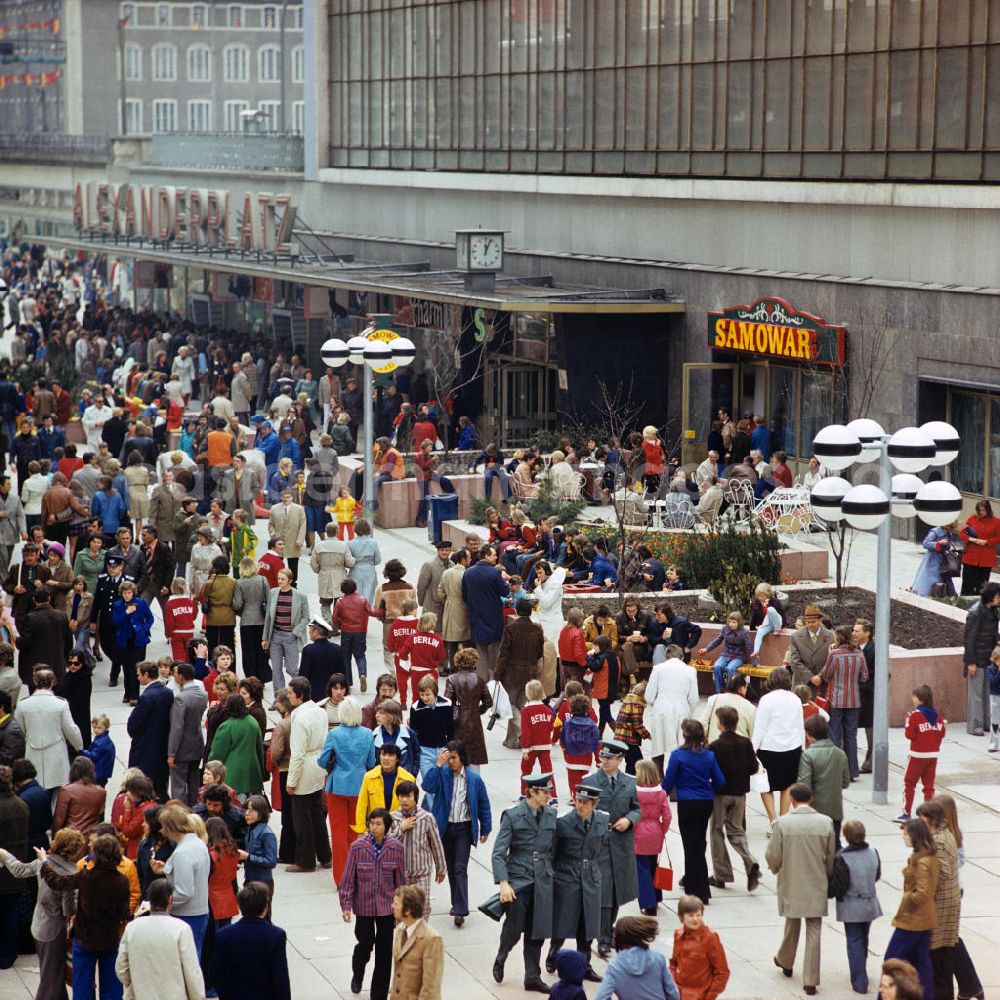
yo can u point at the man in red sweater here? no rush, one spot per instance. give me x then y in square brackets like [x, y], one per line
[272, 560]
[350, 615]
[572, 647]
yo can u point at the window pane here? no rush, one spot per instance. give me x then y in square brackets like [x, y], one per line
[968, 417]
[783, 429]
[994, 447]
[817, 405]
[953, 69]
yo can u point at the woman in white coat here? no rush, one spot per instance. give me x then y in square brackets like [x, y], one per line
[549, 591]
[671, 697]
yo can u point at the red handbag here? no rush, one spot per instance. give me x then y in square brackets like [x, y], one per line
[663, 877]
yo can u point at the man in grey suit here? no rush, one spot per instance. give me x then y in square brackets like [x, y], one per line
[809, 647]
[186, 743]
[801, 853]
[239, 487]
[48, 726]
[620, 800]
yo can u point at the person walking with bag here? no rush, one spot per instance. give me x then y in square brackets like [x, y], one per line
[650, 833]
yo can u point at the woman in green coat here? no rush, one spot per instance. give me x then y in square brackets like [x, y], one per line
[238, 744]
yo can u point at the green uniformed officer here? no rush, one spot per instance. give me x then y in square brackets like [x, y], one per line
[581, 837]
[522, 867]
[620, 800]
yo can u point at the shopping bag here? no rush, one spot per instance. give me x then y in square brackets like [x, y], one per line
[759, 781]
[501, 700]
[663, 877]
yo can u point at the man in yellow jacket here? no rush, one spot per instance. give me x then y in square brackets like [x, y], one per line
[378, 789]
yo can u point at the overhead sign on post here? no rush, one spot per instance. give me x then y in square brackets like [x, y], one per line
[774, 329]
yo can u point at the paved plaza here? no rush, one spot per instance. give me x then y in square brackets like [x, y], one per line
[320, 943]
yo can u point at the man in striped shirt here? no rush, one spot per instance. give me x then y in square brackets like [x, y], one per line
[845, 670]
[416, 829]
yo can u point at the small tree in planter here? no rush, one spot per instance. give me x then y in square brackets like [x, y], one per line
[730, 551]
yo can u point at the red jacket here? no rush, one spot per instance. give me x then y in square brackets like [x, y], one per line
[269, 564]
[987, 528]
[423, 430]
[351, 613]
[572, 645]
[653, 451]
[925, 731]
[699, 964]
[221, 898]
[536, 726]
[181, 615]
[399, 630]
[424, 650]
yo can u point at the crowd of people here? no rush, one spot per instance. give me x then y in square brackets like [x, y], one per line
[256, 742]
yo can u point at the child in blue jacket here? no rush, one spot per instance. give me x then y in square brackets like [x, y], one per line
[101, 750]
[993, 679]
[261, 855]
[736, 650]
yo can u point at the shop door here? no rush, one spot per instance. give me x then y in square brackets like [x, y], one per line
[706, 387]
[519, 401]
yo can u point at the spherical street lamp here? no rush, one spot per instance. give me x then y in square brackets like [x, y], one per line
[356, 349]
[836, 447]
[870, 434]
[827, 497]
[905, 487]
[945, 439]
[865, 507]
[376, 353]
[403, 351]
[938, 503]
[911, 450]
[334, 353]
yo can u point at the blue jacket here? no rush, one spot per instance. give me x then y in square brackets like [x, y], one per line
[760, 440]
[110, 509]
[695, 775]
[993, 675]
[639, 974]
[466, 437]
[601, 569]
[39, 803]
[261, 846]
[102, 752]
[483, 590]
[149, 727]
[276, 484]
[290, 449]
[348, 753]
[132, 629]
[50, 440]
[439, 782]
[187, 443]
[270, 445]
[250, 962]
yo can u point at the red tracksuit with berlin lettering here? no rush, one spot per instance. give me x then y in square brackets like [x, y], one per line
[179, 617]
[925, 731]
[426, 652]
[536, 739]
[399, 631]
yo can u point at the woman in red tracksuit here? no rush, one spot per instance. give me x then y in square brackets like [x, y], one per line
[179, 618]
[536, 732]
[572, 648]
[425, 651]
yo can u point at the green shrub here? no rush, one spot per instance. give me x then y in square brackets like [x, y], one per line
[734, 592]
[545, 504]
[479, 506]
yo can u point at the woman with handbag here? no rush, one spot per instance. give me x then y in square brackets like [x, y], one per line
[940, 564]
[216, 598]
[250, 603]
[650, 833]
[980, 534]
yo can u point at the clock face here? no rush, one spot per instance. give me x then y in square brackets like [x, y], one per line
[486, 252]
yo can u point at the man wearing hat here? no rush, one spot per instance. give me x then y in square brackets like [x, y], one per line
[430, 578]
[522, 867]
[320, 658]
[581, 839]
[269, 443]
[104, 602]
[809, 647]
[620, 800]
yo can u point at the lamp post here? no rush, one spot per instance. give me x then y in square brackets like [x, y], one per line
[374, 350]
[910, 450]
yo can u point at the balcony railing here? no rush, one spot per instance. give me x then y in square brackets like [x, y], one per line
[32, 146]
[230, 151]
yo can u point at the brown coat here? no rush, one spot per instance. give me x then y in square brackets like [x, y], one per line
[57, 499]
[948, 896]
[281, 744]
[164, 506]
[916, 908]
[62, 575]
[79, 807]
[455, 617]
[591, 630]
[520, 650]
[418, 961]
[466, 690]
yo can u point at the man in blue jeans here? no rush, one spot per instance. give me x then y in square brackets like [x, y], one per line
[461, 807]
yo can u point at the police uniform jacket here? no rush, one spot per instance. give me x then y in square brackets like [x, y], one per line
[522, 855]
[105, 596]
[578, 864]
[619, 852]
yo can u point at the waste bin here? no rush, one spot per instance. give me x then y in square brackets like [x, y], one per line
[441, 507]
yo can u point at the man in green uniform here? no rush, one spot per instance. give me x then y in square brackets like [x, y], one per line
[581, 837]
[522, 867]
[620, 800]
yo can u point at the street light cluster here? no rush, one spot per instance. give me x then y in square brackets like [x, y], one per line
[373, 353]
[910, 450]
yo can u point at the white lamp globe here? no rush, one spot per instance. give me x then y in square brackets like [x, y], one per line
[938, 503]
[403, 351]
[911, 450]
[826, 497]
[836, 447]
[905, 488]
[865, 507]
[356, 349]
[334, 353]
[945, 438]
[377, 353]
[866, 432]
